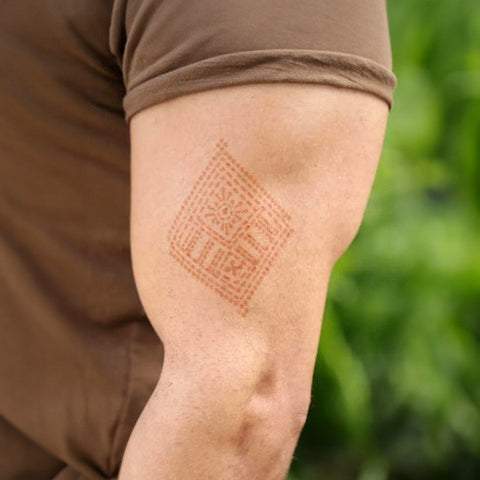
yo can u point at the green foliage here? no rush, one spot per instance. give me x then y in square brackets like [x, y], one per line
[397, 384]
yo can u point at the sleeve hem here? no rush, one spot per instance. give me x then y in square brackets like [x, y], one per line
[264, 66]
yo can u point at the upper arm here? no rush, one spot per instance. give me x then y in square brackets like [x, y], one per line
[296, 173]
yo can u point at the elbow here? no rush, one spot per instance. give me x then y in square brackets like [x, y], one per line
[251, 411]
[270, 425]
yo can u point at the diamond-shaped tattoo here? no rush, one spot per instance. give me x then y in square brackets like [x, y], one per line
[229, 230]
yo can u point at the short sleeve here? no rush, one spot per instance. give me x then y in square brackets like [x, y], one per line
[168, 48]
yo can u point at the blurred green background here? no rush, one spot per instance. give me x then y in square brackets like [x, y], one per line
[397, 385]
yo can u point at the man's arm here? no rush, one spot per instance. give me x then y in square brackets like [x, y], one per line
[243, 198]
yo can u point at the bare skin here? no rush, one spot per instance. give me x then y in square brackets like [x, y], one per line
[243, 198]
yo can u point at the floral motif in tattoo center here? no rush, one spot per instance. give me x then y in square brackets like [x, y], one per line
[225, 211]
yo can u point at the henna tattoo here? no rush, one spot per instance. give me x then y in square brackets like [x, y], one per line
[229, 230]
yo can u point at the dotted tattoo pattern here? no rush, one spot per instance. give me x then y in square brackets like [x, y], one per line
[229, 230]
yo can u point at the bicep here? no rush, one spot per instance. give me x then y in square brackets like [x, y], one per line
[242, 200]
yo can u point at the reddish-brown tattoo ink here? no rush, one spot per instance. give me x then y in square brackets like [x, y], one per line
[229, 230]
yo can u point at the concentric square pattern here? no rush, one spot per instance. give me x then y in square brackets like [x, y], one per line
[229, 230]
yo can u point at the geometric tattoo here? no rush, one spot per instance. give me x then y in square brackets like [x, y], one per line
[229, 230]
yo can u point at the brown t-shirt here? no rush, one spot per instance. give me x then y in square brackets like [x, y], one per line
[78, 358]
